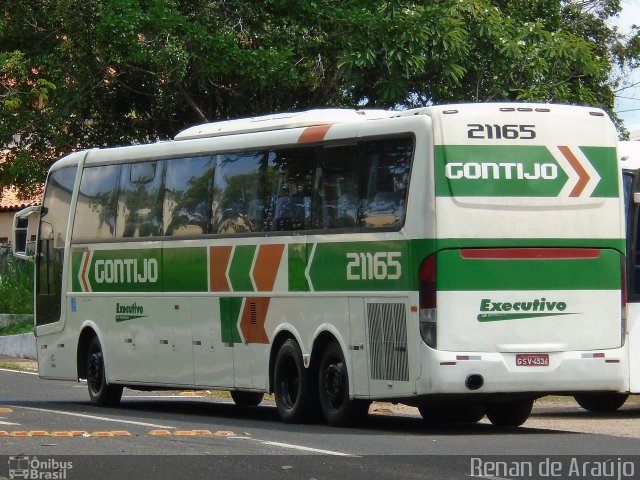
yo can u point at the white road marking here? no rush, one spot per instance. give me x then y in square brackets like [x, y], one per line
[17, 371]
[95, 417]
[8, 423]
[305, 449]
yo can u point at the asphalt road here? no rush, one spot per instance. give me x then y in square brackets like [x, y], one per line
[172, 435]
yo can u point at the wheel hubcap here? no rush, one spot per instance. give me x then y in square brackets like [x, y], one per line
[94, 371]
[289, 385]
[334, 384]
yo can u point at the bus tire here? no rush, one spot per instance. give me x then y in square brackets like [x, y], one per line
[333, 387]
[509, 414]
[601, 402]
[100, 392]
[294, 387]
[246, 399]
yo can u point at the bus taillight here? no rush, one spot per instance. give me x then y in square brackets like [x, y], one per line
[623, 298]
[428, 290]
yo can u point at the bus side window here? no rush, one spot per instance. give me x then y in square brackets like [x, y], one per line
[386, 163]
[290, 204]
[238, 193]
[338, 183]
[140, 200]
[97, 204]
[187, 196]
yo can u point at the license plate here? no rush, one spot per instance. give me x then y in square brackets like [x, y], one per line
[532, 359]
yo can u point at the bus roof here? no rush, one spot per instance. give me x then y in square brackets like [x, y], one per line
[281, 121]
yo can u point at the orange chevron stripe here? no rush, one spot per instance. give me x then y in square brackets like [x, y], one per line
[218, 262]
[313, 134]
[584, 177]
[266, 266]
[252, 320]
[85, 271]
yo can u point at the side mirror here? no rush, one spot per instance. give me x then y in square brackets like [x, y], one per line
[21, 247]
[636, 197]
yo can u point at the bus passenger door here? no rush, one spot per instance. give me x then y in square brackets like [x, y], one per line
[632, 210]
[212, 357]
[174, 347]
[131, 336]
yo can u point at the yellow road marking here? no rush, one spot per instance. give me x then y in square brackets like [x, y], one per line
[39, 433]
[102, 434]
[224, 433]
[6, 410]
[20, 434]
[159, 433]
[3, 433]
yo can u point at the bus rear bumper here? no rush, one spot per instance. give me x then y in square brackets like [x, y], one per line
[498, 372]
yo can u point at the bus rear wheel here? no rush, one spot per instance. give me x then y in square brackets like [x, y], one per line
[333, 386]
[247, 399]
[601, 402]
[294, 387]
[100, 393]
[509, 414]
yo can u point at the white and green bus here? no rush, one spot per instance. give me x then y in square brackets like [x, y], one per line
[462, 259]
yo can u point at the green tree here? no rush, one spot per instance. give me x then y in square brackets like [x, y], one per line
[91, 73]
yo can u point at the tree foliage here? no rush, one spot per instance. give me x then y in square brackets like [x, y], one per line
[83, 73]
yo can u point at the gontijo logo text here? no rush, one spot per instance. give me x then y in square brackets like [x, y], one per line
[499, 171]
[126, 270]
[539, 307]
[137, 270]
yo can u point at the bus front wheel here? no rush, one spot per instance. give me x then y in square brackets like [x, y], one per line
[509, 414]
[100, 393]
[294, 388]
[333, 386]
[601, 402]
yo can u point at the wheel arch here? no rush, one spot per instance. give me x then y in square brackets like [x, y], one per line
[88, 331]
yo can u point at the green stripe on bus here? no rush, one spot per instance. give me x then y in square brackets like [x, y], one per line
[515, 171]
[184, 269]
[229, 314]
[507, 183]
[459, 274]
[120, 270]
[240, 268]
[604, 161]
[360, 266]
[297, 264]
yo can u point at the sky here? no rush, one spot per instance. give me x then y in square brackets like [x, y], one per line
[627, 104]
